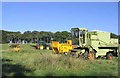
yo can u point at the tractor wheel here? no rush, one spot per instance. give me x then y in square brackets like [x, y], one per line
[47, 48]
[109, 56]
[41, 47]
[91, 56]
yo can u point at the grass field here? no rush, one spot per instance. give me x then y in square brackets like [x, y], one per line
[32, 62]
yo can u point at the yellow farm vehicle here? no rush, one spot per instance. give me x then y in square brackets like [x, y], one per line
[15, 47]
[62, 48]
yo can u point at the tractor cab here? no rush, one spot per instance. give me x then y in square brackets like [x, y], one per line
[42, 43]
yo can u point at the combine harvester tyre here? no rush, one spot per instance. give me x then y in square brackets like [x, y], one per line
[109, 56]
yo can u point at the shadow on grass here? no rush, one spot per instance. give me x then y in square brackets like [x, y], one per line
[53, 74]
[6, 60]
[74, 75]
[81, 76]
[13, 69]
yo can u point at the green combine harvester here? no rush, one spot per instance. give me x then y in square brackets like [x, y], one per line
[88, 44]
[94, 44]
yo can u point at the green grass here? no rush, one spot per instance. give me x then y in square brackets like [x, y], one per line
[4, 46]
[119, 48]
[32, 62]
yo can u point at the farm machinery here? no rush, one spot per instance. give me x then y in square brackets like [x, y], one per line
[41, 45]
[62, 48]
[88, 44]
[15, 47]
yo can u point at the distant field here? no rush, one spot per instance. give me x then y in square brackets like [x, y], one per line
[32, 62]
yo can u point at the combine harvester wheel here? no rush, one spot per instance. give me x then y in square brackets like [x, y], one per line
[109, 56]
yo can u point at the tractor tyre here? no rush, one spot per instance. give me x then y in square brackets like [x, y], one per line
[47, 48]
[41, 47]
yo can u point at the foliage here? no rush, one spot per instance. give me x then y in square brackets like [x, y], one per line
[62, 36]
[114, 35]
[33, 36]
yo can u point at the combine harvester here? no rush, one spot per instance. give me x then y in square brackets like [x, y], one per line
[89, 44]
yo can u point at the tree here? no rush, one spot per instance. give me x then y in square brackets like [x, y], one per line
[62, 36]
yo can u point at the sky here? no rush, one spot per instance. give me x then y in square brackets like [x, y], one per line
[59, 16]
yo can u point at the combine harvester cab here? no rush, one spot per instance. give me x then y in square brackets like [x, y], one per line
[62, 48]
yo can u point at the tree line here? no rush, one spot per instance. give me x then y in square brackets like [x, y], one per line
[33, 36]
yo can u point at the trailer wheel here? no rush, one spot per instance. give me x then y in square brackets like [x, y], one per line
[109, 56]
